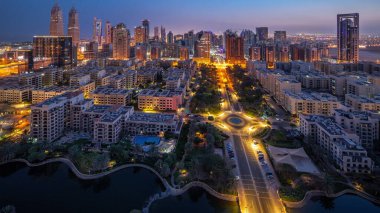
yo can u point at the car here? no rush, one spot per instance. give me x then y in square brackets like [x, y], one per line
[259, 152]
[255, 142]
[237, 177]
[263, 163]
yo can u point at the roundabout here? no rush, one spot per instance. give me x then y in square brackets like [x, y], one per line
[235, 121]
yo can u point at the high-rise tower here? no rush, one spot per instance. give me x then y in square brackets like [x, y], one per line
[163, 35]
[73, 29]
[145, 24]
[56, 21]
[234, 47]
[108, 33]
[348, 37]
[262, 33]
[97, 30]
[120, 42]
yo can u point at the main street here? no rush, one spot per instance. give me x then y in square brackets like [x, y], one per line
[257, 194]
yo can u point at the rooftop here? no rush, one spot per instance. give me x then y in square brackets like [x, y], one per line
[152, 117]
[111, 91]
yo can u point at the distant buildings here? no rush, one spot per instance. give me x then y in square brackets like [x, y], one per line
[58, 48]
[108, 33]
[73, 27]
[145, 24]
[163, 34]
[348, 37]
[202, 45]
[140, 36]
[97, 31]
[120, 42]
[56, 21]
[279, 36]
[234, 48]
[262, 33]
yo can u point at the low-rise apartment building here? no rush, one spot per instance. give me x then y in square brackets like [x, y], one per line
[111, 96]
[160, 100]
[151, 123]
[14, 94]
[364, 124]
[342, 147]
[363, 103]
[310, 103]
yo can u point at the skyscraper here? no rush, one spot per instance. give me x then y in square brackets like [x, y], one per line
[73, 27]
[249, 38]
[108, 33]
[348, 37]
[279, 36]
[120, 42]
[234, 47]
[56, 21]
[170, 37]
[202, 45]
[97, 31]
[163, 35]
[145, 24]
[140, 35]
[270, 56]
[262, 33]
[58, 48]
[156, 33]
[255, 53]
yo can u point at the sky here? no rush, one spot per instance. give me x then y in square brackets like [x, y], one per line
[21, 19]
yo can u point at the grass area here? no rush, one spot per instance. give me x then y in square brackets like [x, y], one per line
[278, 138]
[262, 133]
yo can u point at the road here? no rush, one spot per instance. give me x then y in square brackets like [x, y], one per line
[256, 193]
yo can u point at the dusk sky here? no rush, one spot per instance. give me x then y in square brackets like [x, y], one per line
[21, 19]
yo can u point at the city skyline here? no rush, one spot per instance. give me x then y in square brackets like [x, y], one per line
[211, 15]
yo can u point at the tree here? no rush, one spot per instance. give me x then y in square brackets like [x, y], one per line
[165, 170]
[119, 154]
[100, 162]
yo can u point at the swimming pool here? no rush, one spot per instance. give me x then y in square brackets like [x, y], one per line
[143, 140]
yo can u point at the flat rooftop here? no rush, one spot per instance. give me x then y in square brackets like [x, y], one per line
[152, 117]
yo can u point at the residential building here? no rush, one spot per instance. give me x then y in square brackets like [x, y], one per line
[152, 123]
[160, 100]
[341, 147]
[111, 96]
[348, 37]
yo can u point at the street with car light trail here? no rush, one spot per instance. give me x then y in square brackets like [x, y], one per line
[256, 193]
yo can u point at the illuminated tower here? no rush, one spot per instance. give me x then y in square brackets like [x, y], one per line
[202, 45]
[97, 31]
[145, 24]
[234, 47]
[348, 37]
[73, 27]
[56, 21]
[156, 33]
[163, 35]
[120, 42]
[140, 35]
[108, 33]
